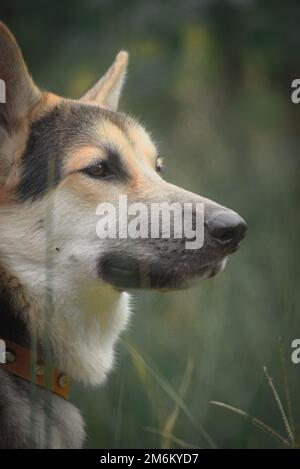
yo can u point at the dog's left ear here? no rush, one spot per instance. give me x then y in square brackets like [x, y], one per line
[106, 92]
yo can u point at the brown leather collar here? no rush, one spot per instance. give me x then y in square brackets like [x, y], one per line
[18, 362]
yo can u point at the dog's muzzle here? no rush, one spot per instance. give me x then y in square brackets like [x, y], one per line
[165, 263]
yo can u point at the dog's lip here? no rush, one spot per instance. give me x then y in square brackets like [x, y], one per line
[214, 270]
[118, 274]
[234, 249]
[125, 272]
[217, 267]
[121, 277]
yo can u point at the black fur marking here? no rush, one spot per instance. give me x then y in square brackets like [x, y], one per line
[116, 164]
[12, 326]
[41, 154]
[66, 127]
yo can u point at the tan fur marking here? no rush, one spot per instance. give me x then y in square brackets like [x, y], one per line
[142, 143]
[47, 102]
[90, 190]
[110, 134]
[82, 158]
[14, 146]
[10, 154]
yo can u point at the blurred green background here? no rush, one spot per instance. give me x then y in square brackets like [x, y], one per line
[212, 81]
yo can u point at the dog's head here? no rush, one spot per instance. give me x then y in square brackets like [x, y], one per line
[61, 158]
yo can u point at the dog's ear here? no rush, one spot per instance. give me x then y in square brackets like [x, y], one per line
[19, 95]
[106, 92]
[18, 90]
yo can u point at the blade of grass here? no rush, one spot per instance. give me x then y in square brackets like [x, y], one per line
[256, 422]
[171, 393]
[119, 413]
[286, 384]
[172, 437]
[152, 391]
[280, 407]
[172, 419]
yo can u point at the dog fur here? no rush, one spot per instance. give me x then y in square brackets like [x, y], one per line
[49, 251]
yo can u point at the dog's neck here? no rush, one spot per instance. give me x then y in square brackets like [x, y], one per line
[82, 322]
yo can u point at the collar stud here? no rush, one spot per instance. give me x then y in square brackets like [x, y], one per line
[40, 369]
[63, 381]
[10, 356]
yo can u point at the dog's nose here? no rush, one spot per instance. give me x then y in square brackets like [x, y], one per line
[227, 227]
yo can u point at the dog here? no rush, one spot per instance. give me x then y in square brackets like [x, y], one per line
[63, 290]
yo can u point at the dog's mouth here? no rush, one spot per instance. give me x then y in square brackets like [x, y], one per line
[121, 271]
[125, 273]
[218, 267]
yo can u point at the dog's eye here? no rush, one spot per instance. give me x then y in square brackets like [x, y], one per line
[98, 170]
[159, 165]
